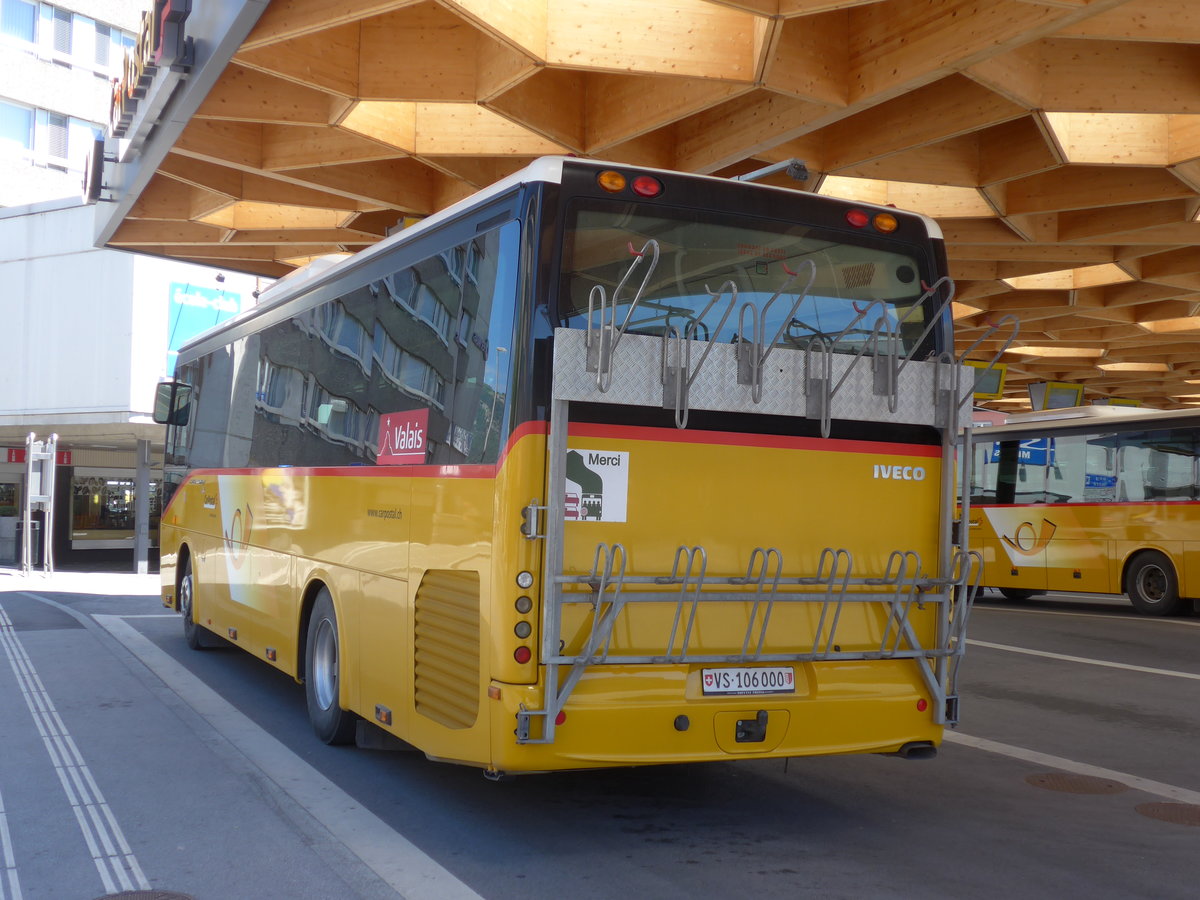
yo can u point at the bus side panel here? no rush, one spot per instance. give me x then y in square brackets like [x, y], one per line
[450, 587]
[1009, 537]
[1078, 551]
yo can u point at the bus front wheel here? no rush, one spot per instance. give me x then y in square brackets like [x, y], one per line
[322, 680]
[1152, 585]
[196, 636]
[1017, 594]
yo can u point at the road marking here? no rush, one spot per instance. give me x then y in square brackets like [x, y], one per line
[10, 862]
[1162, 620]
[1087, 662]
[1157, 788]
[112, 855]
[398, 862]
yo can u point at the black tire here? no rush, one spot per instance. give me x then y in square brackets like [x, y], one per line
[1152, 585]
[1017, 595]
[195, 636]
[322, 675]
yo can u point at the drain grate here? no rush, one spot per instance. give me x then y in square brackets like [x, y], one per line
[1175, 813]
[1068, 783]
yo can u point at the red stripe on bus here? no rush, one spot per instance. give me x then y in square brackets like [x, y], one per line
[731, 439]
[588, 430]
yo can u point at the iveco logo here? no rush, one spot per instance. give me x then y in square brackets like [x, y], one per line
[900, 473]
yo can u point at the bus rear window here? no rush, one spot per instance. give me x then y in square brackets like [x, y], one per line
[702, 255]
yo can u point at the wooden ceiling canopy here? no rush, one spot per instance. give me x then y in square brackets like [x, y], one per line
[1056, 141]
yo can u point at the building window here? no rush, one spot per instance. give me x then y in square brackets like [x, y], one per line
[16, 129]
[18, 20]
[62, 31]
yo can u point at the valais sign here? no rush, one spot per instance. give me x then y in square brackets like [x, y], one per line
[402, 437]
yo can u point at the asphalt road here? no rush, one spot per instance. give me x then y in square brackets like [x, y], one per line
[131, 764]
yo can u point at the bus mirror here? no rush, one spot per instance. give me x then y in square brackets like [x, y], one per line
[172, 403]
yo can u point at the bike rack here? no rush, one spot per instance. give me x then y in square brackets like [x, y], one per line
[657, 371]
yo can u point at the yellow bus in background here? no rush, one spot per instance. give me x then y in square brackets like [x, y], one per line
[602, 466]
[1097, 499]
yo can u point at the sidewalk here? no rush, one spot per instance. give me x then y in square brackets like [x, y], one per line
[124, 584]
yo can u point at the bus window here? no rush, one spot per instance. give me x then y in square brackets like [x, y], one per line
[701, 255]
[1158, 465]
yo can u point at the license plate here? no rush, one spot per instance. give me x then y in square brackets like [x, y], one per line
[749, 680]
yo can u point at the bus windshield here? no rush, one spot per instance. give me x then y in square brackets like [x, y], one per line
[705, 256]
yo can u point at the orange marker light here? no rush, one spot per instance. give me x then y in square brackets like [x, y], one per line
[886, 223]
[611, 181]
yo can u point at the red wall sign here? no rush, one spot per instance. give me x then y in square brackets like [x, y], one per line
[402, 437]
[17, 455]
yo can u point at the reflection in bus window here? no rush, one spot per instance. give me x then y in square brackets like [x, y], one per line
[1157, 465]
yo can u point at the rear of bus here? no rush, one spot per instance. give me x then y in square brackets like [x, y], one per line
[745, 547]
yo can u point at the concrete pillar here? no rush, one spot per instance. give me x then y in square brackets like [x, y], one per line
[141, 510]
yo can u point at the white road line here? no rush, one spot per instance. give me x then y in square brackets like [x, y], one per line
[10, 861]
[394, 859]
[1161, 620]
[1157, 788]
[114, 860]
[1171, 673]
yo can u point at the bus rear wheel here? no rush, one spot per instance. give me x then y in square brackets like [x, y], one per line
[1152, 585]
[322, 680]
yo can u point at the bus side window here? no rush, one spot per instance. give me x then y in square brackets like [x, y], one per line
[1005, 456]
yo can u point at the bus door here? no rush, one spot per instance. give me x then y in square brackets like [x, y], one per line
[1014, 532]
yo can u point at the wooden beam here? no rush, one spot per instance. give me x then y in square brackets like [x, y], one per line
[424, 52]
[741, 127]
[809, 59]
[167, 199]
[402, 184]
[465, 129]
[327, 60]
[266, 189]
[904, 43]
[617, 109]
[477, 172]
[948, 108]
[951, 162]
[135, 231]
[1015, 75]
[1120, 77]
[210, 176]
[1089, 187]
[301, 146]
[248, 96]
[227, 143]
[1104, 223]
[667, 37]
[522, 26]
[1161, 21]
[284, 20]
[552, 103]
[1014, 149]
[251, 238]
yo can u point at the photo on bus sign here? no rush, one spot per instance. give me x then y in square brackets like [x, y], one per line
[402, 437]
[597, 485]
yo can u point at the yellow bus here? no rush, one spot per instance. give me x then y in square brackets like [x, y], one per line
[1098, 499]
[602, 466]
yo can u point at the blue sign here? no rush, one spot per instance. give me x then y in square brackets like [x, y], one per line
[194, 309]
[1032, 452]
